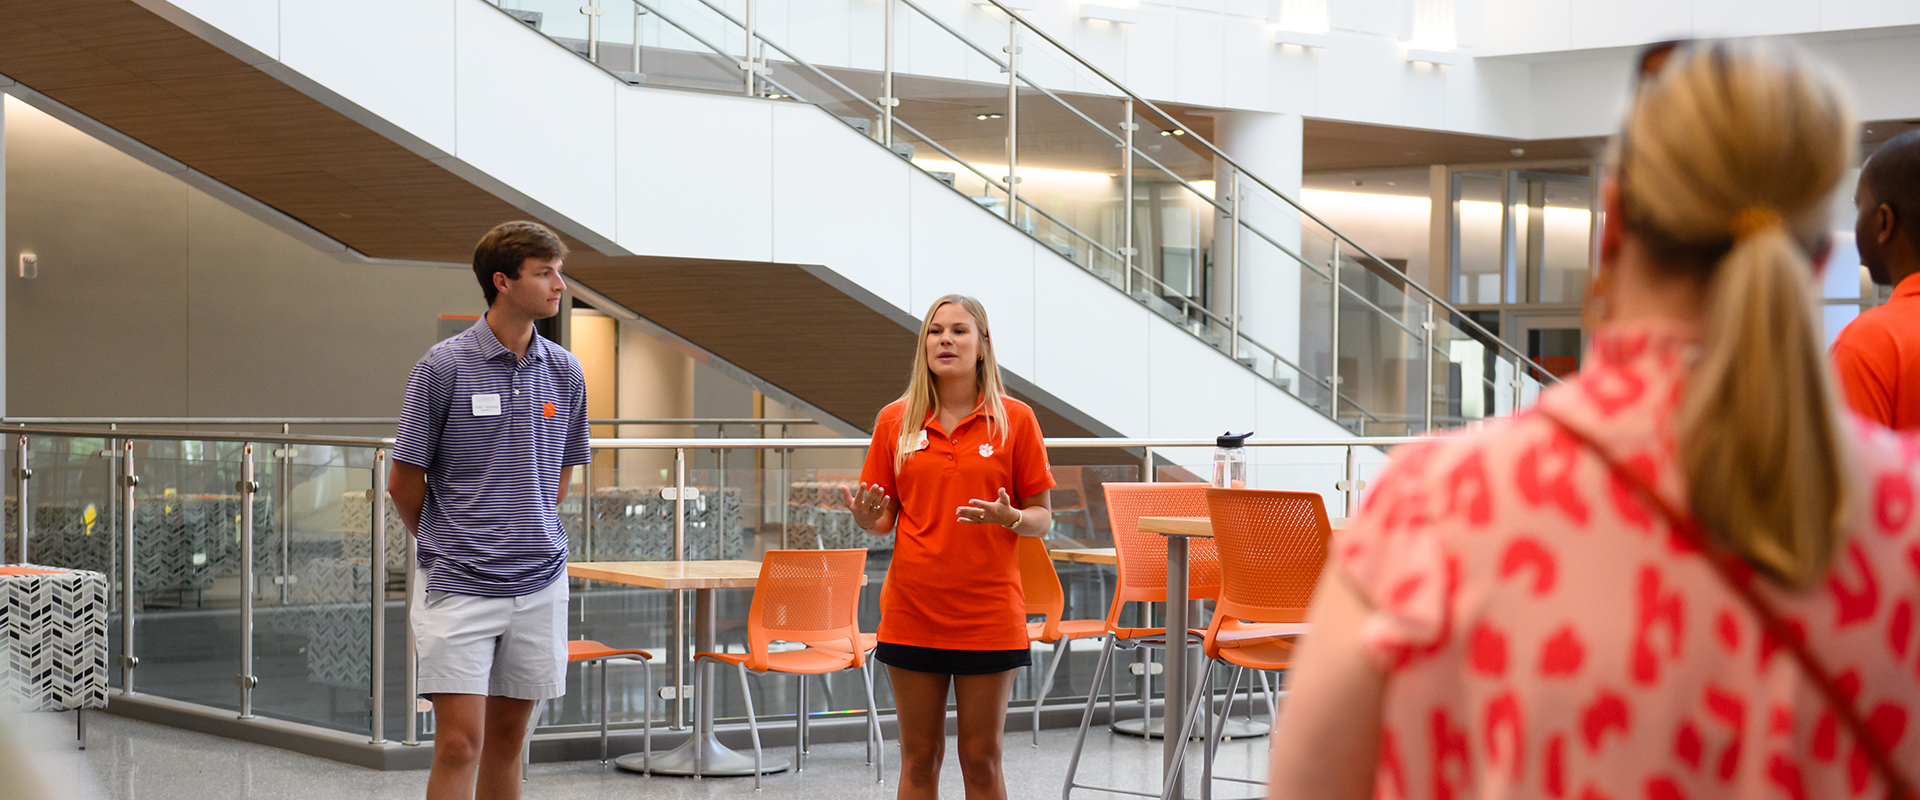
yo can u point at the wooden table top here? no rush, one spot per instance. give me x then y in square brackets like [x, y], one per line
[674, 574]
[1086, 555]
[1201, 527]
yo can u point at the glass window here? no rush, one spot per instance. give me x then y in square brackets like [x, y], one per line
[1477, 267]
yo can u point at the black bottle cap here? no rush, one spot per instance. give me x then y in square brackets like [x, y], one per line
[1232, 439]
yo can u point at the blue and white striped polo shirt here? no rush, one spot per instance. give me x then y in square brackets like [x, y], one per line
[492, 432]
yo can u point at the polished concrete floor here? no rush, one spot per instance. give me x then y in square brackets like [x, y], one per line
[132, 760]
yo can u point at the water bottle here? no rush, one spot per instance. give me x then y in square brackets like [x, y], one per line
[1230, 460]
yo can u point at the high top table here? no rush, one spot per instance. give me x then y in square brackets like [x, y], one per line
[702, 577]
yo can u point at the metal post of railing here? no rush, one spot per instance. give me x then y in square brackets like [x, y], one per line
[785, 489]
[1127, 251]
[23, 510]
[377, 575]
[1352, 485]
[586, 508]
[413, 654]
[128, 480]
[887, 100]
[720, 495]
[1146, 465]
[1013, 118]
[638, 12]
[592, 10]
[1233, 266]
[1333, 347]
[677, 711]
[247, 487]
[1426, 357]
[286, 516]
[750, 66]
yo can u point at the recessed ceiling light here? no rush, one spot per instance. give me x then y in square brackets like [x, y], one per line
[1174, 132]
[988, 116]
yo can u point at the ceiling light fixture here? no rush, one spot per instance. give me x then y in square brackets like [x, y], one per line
[1174, 132]
[988, 116]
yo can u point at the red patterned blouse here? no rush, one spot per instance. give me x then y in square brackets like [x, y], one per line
[1546, 635]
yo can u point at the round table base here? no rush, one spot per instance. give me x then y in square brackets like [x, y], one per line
[1236, 728]
[719, 760]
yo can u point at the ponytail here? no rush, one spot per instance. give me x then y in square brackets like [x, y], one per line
[1759, 434]
[1724, 167]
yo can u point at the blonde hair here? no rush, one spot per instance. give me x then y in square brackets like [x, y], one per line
[922, 395]
[1724, 167]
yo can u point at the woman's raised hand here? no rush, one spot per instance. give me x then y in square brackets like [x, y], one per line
[868, 506]
[995, 512]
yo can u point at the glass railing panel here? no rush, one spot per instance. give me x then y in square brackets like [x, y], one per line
[313, 599]
[11, 551]
[1072, 178]
[1176, 271]
[685, 44]
[71, 522]
[1381, 353]
[1473, 369]
[559, 20]
[187, 566]
[953, 110]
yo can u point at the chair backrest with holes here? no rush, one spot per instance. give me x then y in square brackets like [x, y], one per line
[806, 596]
[1272, 547]
[1143, 556]
[1042, 585]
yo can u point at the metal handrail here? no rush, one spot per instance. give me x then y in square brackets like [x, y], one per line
[1256, 178]
[1130, 271]
[373, 421]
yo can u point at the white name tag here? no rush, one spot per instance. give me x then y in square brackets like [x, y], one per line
[486, 405]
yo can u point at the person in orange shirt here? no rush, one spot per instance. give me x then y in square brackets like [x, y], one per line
[1877, 356]
[948, 460]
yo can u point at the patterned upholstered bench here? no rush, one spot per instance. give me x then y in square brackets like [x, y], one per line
[53, 629]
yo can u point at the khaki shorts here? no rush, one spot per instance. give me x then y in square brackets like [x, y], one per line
[495, 646]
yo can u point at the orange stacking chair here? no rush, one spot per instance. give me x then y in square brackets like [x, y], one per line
[1045, 597]
[584, 651]
[1272, 547]
[1143, 579]
[806, 596]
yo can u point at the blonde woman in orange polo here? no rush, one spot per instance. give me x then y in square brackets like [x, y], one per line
[960, 483]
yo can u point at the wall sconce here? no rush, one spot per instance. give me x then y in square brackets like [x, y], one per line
[29, 266]
[1109, 13]
[1302, 39]
[1436, 57]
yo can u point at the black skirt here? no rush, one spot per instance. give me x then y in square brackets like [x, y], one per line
[951, 662]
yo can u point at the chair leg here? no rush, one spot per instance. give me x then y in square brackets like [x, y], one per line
[875, 742]
[800, 725]
[1046, 685]
[866, 677]
[1273, 700]
[1172, 779]
[1086, 717]
[603, 711]
[753, 725]
[1217, 732]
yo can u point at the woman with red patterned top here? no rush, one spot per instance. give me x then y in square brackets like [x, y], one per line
[947, 461]
[1632, 590]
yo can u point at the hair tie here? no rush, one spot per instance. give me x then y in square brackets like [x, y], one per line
[1754, 219]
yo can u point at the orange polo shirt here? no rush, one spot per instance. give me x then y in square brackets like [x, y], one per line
[1877, 357]
[953, 585]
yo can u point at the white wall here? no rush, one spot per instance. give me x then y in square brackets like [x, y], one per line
[155, 298]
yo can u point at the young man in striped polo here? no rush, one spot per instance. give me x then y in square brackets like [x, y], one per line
[494, 421]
